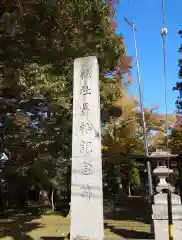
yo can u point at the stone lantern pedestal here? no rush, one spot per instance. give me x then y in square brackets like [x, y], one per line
[160, 207]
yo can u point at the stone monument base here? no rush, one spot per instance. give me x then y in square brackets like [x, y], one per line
[160, 216]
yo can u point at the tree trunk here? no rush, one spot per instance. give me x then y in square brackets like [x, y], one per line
[69, 214]
[129, 189]
[52, 199]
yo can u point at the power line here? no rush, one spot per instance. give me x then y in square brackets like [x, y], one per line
[163, 34]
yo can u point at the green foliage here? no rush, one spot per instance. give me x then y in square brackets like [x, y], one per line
[135, 176]
[178, 86]
[180, 60]
[130, 171]
[176, 134]
[176, 139]
[56, 32]
[39, 41]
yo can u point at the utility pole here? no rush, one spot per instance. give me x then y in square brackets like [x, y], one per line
[142, 110]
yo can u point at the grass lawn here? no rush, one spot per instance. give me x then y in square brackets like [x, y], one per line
[27, 227]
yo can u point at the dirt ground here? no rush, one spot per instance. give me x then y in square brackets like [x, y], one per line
[29, 227]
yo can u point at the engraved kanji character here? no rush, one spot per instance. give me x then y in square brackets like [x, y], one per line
[84, 147]
[85, 127]
[85, 90]
[86, 169]
[86, 191]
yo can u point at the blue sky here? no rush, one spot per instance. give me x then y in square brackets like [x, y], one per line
[147, 17]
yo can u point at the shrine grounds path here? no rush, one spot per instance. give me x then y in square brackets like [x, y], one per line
[126, 222]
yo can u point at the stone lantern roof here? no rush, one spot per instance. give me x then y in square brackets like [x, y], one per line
[162, 154]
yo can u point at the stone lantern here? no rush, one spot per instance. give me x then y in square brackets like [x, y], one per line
[162, 172]
[160, 206]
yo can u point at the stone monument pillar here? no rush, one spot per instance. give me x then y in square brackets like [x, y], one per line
[86, 186]
[160, 207]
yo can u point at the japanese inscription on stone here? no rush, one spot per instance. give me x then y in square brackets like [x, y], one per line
[86, 189]
[86, 168]
[85, 108]
[86, 126]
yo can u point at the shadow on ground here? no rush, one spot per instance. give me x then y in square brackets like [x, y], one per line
[129, 234]
[17, 225]
[62, 210]
[52, 238]
[131, 209]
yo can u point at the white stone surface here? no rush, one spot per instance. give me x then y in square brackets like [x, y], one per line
[86, 189]
[160, 216]
[177, 229]
[162, 172]
[161, 212]
[161, 198]
[160, 208]
[162, 154]
[161, 229]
